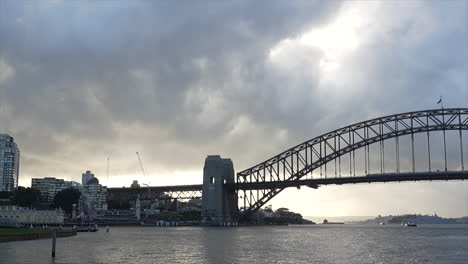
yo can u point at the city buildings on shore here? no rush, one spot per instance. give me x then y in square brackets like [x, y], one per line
[9, 163]
[49, 187]
[26, 216]
[93, 197]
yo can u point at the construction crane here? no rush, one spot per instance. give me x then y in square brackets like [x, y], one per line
[143, 170]
[108, 158]
[141, 165]
[149, 190]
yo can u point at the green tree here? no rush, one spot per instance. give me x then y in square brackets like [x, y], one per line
[26, 197]
[118, 204]
[5, 195]
[5, 198]
[66, 198]
[193, 215]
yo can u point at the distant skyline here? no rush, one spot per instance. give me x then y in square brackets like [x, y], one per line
[81, 81]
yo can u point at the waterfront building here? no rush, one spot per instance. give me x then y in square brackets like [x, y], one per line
[116, 217]
[85, 177]
[26, 216]
[9, 163]
[49, 187]
[93, 198]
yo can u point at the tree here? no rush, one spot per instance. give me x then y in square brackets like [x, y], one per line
[269, 209]
[26, 197]
[5, 198]
[5, 195]
[66, 198]
[192, 215]
[118, 204]
[282, 211]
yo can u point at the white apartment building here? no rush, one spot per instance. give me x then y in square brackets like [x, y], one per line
[9, 163]
[49, 187]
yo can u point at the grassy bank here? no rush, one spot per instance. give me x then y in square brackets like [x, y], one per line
[20, 231]
[15, 234]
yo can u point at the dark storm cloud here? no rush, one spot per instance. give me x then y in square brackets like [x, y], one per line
[82, 70]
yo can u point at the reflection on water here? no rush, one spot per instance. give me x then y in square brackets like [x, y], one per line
[285, 244]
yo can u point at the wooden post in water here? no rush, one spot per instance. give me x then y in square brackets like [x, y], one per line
[54, 238]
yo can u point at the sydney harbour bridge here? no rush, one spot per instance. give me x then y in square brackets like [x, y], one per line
[414, 146]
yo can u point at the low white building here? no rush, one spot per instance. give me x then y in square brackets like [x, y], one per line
[26, 216]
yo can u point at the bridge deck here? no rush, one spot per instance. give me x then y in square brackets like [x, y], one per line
[156, 189]
[313, 183]
[384, 177]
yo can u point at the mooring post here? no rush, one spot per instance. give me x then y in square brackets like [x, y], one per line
[54, 238]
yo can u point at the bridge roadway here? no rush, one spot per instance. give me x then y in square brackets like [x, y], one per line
[371, 178]
[156, 189]
[313, 183]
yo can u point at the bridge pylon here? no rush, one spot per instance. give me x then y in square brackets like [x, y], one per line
[219, 204]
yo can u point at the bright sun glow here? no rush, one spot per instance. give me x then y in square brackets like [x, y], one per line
[334, 40]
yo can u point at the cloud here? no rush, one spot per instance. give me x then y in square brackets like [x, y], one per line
[6, 71]
[83, 81]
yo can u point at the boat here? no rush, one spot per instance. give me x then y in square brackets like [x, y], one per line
[411, 224]
[84, 228]
[326, 222]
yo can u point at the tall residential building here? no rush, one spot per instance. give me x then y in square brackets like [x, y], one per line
[49, 187]
[135, 184]
[85, 177]
[93, 198]
[9, 163]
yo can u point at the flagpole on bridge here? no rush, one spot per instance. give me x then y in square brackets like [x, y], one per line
[440, 101]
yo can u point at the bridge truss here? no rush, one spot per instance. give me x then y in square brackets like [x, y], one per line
[310, 159]
[176, 192]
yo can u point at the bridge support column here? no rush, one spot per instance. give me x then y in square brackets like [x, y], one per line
[219, 204]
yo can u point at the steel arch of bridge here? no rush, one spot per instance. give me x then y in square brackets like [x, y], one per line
[298, 161]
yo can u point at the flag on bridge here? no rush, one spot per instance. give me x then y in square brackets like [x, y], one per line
[440, 100]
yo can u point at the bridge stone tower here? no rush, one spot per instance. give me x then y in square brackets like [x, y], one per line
[219, 204]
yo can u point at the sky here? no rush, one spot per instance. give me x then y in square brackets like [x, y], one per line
[83, 81]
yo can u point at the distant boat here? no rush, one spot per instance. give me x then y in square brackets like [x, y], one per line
[84, 228]
[411, 224]
[325, 222]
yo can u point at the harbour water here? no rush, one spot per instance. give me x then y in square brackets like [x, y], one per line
[277, 244]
